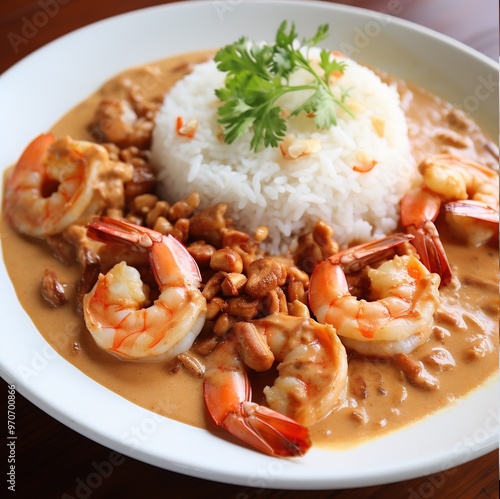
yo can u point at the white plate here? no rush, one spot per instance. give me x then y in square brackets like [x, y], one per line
[41, 88]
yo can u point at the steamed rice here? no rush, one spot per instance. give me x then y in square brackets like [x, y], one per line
[290, 196]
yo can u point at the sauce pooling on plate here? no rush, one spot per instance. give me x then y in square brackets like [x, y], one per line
[382, 394]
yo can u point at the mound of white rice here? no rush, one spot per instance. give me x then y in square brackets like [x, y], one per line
[290, 195]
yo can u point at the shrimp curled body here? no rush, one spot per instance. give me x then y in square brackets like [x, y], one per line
[227, 393]
[454, 178]
[312, 367]
[116, 311]
[57, 183]
[396, 319]
[469, 193]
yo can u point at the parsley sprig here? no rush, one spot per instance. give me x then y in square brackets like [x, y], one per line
[259, 74]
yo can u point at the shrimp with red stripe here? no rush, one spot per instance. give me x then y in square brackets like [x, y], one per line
[312, 366]
[396, 317]
[118, 312]
[467, 190]
[57, 183]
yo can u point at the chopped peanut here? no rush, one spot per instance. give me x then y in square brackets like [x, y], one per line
[365, 163]
[227, 260]
[452, 138]
[261, 234]
[253, 347]
[160, 210]
[52, 289]
[214, 307]
[162, 225]
[201, 252]
[292, 148]
[243, 307]
[184, 208]
[188, 129]
[144, 203]
[223, 324]
[212, 287]
[192, 364]
[233, 284]
[180, 230]
[264, 275]
[296, 292]
[416, 373]
[378, 125]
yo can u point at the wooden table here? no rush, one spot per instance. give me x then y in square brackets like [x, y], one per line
[54, 461]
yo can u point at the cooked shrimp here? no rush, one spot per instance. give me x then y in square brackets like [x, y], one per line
[116, 311]
[312, 366]
[404, 297]
[419, 210]
[470, 192]
[227, 394]
[56, 184]
[117, 121]
[454, 178]
[472, 220]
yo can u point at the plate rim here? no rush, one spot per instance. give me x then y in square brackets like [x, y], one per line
[29, 391]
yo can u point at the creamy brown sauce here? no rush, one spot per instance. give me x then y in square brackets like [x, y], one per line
[465, 330]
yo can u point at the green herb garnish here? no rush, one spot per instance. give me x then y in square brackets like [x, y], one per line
[259, 74]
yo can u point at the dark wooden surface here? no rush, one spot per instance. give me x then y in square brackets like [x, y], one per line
[53, 461]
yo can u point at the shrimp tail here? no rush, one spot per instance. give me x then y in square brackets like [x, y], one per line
[419, 210]
[227, 396]
[115, 309]
[268, 431]
[121, 233]
[362, 255]
[473, 209]
[141, 239]
[474, 221]
[431, 251]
